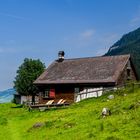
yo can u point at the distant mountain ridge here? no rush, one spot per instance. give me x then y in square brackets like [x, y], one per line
[7, 95]
[128, 44]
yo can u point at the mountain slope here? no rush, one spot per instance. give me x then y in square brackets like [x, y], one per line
[7, 95]
[128, 44]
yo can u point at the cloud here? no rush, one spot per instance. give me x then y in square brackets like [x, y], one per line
[12, 16]
[8, 46]
[88, 40]
[109, 40]
[135, 21]
[105, 41]
[88, 34]
[101, 52]
[69, 2]
[8, 50]
[81, 39]
[1, 50]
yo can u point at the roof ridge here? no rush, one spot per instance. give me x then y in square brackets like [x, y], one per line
[97, 57]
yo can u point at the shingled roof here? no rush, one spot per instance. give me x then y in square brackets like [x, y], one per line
[84, 70]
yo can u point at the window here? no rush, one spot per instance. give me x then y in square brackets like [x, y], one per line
[128, 74]
[128, 71]
[49, 93]
[46, 93]
[77, 90]
[128, 65]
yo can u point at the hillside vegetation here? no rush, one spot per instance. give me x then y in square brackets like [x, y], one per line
[80, 121]
[128, 44]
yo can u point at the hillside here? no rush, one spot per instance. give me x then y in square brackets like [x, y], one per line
[7, 95]
[128, 44]
[80, 121]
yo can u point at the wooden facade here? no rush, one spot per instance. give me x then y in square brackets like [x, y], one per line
[127, 74]
[60, 92]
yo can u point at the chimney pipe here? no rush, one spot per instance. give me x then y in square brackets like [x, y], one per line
[61, 56]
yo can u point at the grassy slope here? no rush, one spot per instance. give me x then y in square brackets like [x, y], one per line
[78, 122]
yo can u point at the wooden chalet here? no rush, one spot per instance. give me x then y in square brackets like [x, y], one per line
[80, 78]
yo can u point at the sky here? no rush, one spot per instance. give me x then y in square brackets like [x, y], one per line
[38, 29]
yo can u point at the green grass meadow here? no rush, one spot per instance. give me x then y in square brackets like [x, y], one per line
[80, 121]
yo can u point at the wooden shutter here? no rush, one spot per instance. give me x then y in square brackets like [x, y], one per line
[52, 93]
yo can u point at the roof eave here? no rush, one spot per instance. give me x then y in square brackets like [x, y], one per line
[111, 83]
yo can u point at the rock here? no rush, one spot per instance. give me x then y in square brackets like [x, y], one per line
[106, 112]
[111, 97]
[35, 126]
[38, 124]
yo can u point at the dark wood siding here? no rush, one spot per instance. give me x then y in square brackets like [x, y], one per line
[124, 75]
[61, 92]
[65, 92]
